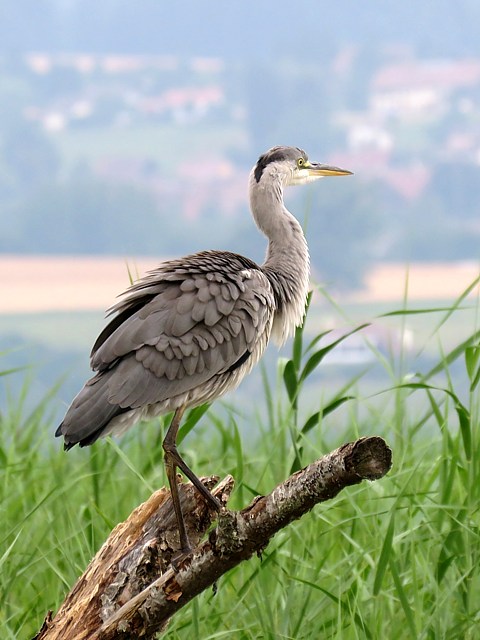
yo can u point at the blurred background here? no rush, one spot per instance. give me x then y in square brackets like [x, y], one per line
[128, 129]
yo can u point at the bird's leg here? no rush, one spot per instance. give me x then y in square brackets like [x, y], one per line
[172, 461]
[171, 467]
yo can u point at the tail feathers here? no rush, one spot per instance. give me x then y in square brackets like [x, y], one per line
[59, 433]
[89, 415]
[90, 439]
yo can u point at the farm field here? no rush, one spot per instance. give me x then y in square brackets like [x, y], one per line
[31, 284]
[61, 301]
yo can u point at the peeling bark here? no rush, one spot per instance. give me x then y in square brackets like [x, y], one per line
[130, 589]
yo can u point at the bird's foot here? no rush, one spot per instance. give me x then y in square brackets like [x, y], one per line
[179, 557]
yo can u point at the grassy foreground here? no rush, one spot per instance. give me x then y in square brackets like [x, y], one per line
[398, 558]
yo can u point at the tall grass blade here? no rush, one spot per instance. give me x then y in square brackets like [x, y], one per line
[193, 418]
[402, 596]
[338, 601]
[414, 312]
[464, 420]
[8, 372]
[315, 359]
[129, 464]
[290, 380]
[314, 419]
[453, 547]
[456, 304]
[453, 355]
[472, 357]
[463, 414]
[384, 556]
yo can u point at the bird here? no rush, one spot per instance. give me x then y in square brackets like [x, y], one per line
[191, 329]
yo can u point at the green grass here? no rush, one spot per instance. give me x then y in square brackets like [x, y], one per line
[397, 558]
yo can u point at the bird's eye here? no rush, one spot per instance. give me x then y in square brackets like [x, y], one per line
[300, 163]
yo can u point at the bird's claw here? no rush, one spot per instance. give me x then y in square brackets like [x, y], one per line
[179, 557]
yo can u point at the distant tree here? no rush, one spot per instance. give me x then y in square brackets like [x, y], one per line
[88, 216]
[457, 184]
[366, 61]
[28, 155]
[429, 233]
[441, 224]
[107, 109]
[15, 95]
[344, 227]
[59, 83]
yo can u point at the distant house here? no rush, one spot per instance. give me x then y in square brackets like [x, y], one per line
[183, 102]
[417, 86]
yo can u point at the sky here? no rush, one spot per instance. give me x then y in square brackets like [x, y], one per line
[237, 29]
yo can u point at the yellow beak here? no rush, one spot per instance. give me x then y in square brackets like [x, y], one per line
[317, 169]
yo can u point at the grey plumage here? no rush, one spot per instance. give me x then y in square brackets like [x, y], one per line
[184, 327]
[191, 329]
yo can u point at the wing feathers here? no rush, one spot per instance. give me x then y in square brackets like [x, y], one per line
[176, 329]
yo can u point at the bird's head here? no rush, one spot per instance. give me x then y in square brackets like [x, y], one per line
[292, 166]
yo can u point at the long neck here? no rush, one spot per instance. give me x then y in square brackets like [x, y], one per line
[287, 263]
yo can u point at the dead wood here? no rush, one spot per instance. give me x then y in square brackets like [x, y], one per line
[130, 590]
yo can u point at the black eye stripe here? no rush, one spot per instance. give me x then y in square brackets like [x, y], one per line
[277, 154]
[266, 159]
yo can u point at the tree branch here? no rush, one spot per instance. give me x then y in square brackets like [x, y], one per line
[130, 589]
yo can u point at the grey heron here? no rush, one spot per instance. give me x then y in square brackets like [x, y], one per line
[191, 329]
